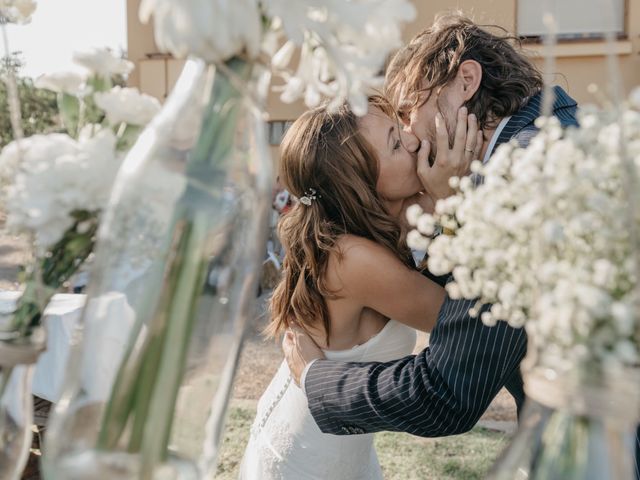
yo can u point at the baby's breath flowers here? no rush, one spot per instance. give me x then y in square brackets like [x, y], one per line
[544, 238]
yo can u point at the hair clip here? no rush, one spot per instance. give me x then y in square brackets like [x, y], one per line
[309, 196]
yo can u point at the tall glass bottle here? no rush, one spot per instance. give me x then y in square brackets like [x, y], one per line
[174, 278]
[576, 425]
[16, 410]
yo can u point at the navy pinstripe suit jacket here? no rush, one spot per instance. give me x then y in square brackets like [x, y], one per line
[447, 387]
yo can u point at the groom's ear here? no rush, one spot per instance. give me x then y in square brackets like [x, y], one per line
[469, 76]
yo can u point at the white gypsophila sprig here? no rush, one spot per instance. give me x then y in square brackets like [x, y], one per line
[56, 175]
[343, 45]
[102, 62]
[545, 239]
[214, 30]
[17, 11]
[127, 105]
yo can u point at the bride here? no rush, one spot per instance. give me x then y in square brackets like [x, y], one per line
[348, 279]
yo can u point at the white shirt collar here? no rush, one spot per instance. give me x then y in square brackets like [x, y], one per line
[494, 139]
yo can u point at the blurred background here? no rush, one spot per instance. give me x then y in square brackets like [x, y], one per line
[580, 53]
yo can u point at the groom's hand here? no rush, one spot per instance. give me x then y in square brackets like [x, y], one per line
[299, 349]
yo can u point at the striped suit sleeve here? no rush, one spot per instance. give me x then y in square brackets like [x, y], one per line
[444, 390]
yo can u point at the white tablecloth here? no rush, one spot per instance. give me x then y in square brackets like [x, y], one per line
[61, 316]
[104, 342]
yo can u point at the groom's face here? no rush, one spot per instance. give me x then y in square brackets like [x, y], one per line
[421, 118]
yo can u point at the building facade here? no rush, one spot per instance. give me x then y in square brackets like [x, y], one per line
[580, 55]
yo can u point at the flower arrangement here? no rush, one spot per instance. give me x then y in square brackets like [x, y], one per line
[218, 220]
[547, 239]
[54, 186]
[343, 45]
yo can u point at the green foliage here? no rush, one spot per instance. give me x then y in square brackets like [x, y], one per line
[459, 457]
[38, 107]
[44, 111]
[69, 108]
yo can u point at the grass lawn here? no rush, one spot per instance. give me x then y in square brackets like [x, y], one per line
[402, 456]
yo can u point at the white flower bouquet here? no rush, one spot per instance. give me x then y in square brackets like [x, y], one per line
[548, 239]
[54, 186]
[343, 45]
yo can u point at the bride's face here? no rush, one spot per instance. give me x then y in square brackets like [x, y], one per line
[396, 151]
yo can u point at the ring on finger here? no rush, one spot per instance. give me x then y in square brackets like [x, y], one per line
[469, 150]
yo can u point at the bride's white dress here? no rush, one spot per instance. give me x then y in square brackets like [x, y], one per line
[286, 443]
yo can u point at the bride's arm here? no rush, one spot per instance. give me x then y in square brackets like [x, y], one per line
[372, 276]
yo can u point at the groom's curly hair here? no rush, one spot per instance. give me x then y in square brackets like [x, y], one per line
[432, 58]
[323, 150]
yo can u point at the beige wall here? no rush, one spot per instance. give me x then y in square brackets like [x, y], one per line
[140, 42]
[578, 64]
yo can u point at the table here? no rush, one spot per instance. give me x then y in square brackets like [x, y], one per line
[104, 342]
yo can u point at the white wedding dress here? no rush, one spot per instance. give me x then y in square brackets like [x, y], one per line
[286, 443]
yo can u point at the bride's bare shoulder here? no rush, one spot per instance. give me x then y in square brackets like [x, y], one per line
[353, 247]
[353, 260]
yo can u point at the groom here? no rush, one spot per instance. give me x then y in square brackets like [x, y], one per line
[447, 387]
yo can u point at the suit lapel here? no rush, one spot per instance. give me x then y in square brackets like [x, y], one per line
[527, 114]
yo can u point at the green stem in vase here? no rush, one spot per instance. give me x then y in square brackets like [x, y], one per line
[5, 375]
[564, 455]
[146, 387]
[188, 277]
[28, 310]
[58, 265]
[66, 256]
[125, 394]
[127, 136]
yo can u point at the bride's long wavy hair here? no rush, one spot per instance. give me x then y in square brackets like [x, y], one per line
[325, 151]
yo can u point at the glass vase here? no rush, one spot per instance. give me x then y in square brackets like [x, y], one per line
[172, 285]
[576, 425]
[19, 351]
[16, 406]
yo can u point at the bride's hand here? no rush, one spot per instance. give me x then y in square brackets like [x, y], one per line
[449, 162]
[299, 349]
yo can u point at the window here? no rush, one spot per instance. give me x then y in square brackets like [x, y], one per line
[276, 130]
[575, 19]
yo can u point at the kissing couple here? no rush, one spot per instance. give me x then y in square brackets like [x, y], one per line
[350, 297]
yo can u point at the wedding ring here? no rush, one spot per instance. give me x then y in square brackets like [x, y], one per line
[469, 150]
